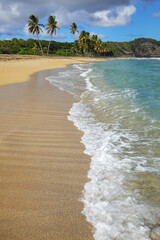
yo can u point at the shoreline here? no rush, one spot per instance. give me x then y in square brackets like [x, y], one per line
[43, 167]
[16, 71]
[42, 161]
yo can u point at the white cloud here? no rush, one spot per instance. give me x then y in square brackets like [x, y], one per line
[106, 18]
[100, 36]
[103, 13]
[27, 33]
[76, 35]
[57, 36]
[156, 14]
[65, 18]
[60, 36]
[109, 18]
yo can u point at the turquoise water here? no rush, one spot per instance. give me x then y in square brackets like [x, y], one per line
[141, 76]
[118, 109]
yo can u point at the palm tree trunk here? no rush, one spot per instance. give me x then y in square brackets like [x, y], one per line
[40, 45]
[49, 45]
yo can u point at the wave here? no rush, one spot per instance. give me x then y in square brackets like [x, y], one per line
[113, 199]
[109, 205]
[148, 58]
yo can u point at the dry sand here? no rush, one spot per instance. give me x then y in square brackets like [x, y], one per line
[15, 69]
[42, 165]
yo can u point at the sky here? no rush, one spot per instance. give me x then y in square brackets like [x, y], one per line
[111, 20]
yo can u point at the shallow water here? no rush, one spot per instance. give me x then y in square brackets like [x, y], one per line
[118, 111]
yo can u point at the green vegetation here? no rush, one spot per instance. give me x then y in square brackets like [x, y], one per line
[86, 46]
[90, 45]
[139, 41]
[31, 47]
[119, 48]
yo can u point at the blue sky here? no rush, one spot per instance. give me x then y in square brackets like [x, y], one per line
[111, 20]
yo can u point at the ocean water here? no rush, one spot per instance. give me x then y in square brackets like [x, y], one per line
[118, 109]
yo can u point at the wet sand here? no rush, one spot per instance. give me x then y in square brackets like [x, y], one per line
[42, 165]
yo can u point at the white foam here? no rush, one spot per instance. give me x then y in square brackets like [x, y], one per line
[111, 207]
[130, 93]
[148, 58]
[66, 80]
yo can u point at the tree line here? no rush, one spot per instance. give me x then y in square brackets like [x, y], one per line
[31, 47]
[86, 44]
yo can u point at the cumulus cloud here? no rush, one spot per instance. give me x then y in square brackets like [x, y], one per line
[118, 17]
[100, 36]
[106, 18]
[14, 14]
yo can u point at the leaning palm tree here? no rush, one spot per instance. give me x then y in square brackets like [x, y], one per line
[74, 28]
[52, 26]
[35, 27]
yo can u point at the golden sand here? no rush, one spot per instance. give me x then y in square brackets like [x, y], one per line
[42, 165]
[15, 69]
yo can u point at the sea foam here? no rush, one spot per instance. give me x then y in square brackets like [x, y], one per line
[113, 203]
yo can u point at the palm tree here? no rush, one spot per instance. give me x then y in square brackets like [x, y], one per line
[99, 46]
[74, 28]
[94, 38]
[81, 41]
[35, 27]
[84, 41]
[52, 25]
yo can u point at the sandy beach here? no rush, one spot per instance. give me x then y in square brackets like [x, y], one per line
[15, 69]
[42, 165]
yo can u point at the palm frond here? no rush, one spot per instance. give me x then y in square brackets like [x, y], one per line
[51, 25]
[41, 25]
[73, 28]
